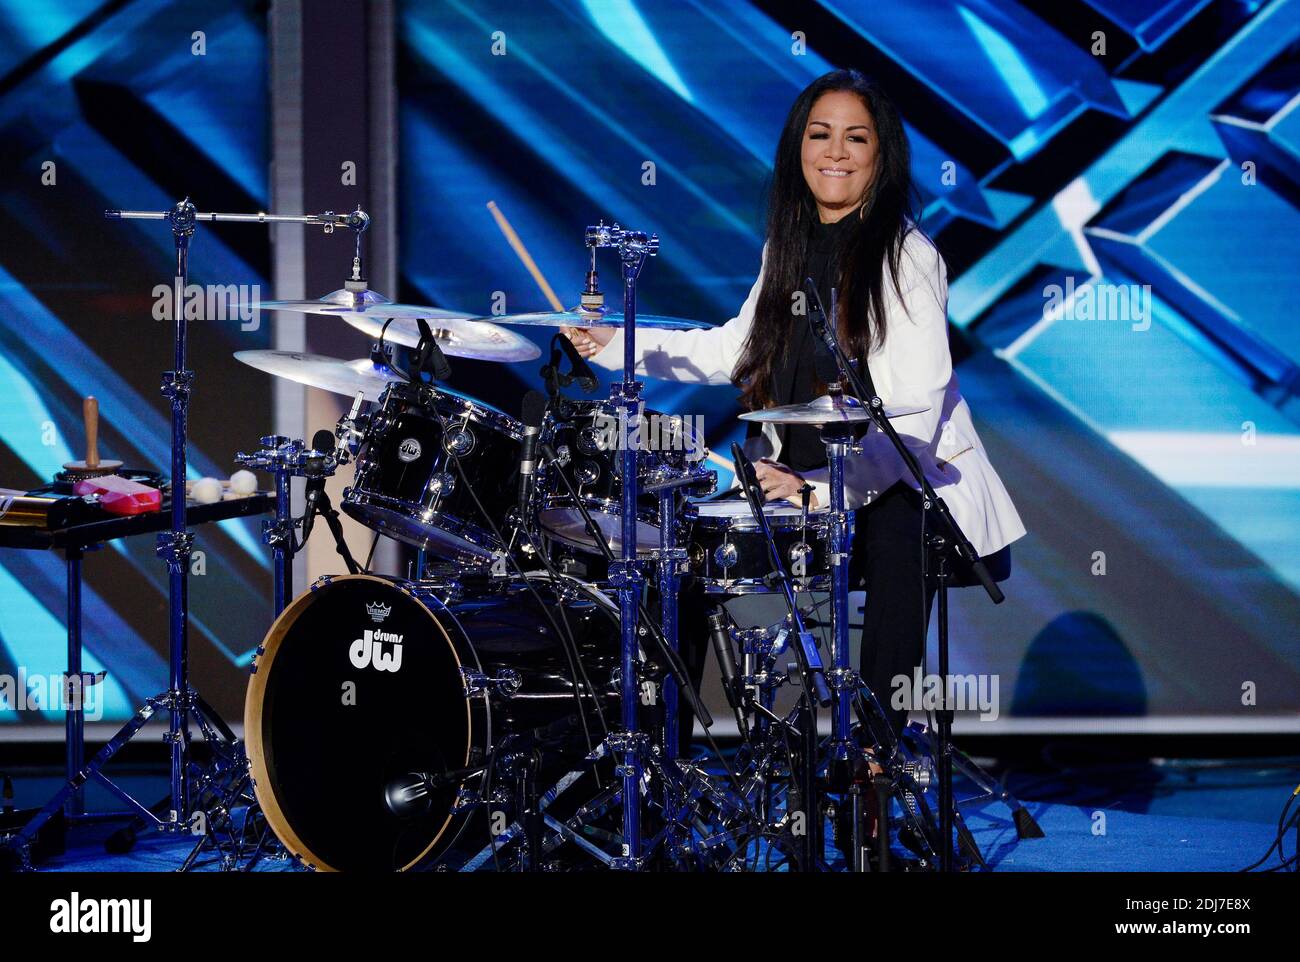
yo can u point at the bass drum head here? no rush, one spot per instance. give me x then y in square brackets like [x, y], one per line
[356, 686]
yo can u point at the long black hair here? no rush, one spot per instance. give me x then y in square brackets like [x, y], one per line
[873, 247]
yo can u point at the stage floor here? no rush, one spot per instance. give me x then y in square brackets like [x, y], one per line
[1186, 815]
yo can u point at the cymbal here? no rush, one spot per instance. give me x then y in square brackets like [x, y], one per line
[326, 373]
[457, 335]
[828, 410]
[594, 319]
[344, 301]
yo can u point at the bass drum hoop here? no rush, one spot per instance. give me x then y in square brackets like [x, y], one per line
[260, 774]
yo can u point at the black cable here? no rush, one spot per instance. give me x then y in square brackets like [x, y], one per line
[647, 622]
[1283, 826]
[496, 533]
[567, 642]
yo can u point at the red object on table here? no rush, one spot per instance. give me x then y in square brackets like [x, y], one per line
[119, 495]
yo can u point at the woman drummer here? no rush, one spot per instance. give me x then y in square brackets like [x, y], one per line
[839, 212]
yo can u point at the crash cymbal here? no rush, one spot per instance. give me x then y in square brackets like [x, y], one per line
[827, 410]
[326, 373]
[594, 319]
[457, 335]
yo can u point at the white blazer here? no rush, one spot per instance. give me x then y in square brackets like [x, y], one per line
[913, 366]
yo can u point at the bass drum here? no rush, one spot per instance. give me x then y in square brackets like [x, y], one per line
[376, 704]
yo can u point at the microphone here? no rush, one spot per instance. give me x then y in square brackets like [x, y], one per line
[429, 355]
[534, 412]
[748, 479]
[580, 372]
[721, 640]
[824, 362]
[323, 442]
[817, 313]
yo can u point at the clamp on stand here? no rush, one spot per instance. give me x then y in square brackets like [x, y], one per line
[287, 458]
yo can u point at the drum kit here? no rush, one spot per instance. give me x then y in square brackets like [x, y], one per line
[514, 704]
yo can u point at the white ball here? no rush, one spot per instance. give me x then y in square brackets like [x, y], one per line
[206, 491]
[243, 482]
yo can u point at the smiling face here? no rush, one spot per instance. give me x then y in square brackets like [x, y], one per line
[839, 153]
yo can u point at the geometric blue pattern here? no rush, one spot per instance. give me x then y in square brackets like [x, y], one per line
[1043, 163]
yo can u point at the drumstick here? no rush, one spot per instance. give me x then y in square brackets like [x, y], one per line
[513, 240]
[90, 414]
[720, 461]
[518, 245]
[93, 465]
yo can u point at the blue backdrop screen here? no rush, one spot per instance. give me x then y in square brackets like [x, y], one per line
[1115, 189]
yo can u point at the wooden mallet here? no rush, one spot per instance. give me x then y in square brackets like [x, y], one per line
[92, 466]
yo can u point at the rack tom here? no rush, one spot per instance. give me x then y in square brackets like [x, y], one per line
[588, 441]
[409, 486]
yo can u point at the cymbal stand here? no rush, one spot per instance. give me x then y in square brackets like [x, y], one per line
[633, 248]
[175, 546]
[933, 506]
[675, 776]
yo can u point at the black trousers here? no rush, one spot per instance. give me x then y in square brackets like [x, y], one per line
[887, 562]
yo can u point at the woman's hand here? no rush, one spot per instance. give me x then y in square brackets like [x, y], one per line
[589, 341]
[778, 481]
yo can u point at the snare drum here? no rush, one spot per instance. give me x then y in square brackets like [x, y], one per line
[729, 555]
[407, 484]
[588, 443]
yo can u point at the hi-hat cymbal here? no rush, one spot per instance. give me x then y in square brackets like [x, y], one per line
[828, 410]
[594, 319]
[326, 373]
[457, 334]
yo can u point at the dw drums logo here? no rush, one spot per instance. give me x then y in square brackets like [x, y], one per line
[409, 449]
[369, 648]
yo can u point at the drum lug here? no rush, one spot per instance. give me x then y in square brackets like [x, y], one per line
[726, 555]
[506, 683]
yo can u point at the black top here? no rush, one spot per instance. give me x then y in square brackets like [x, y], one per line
[794, 375]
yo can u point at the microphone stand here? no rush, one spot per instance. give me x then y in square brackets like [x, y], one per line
[811, 672]
[949, 534]
[318, 503]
